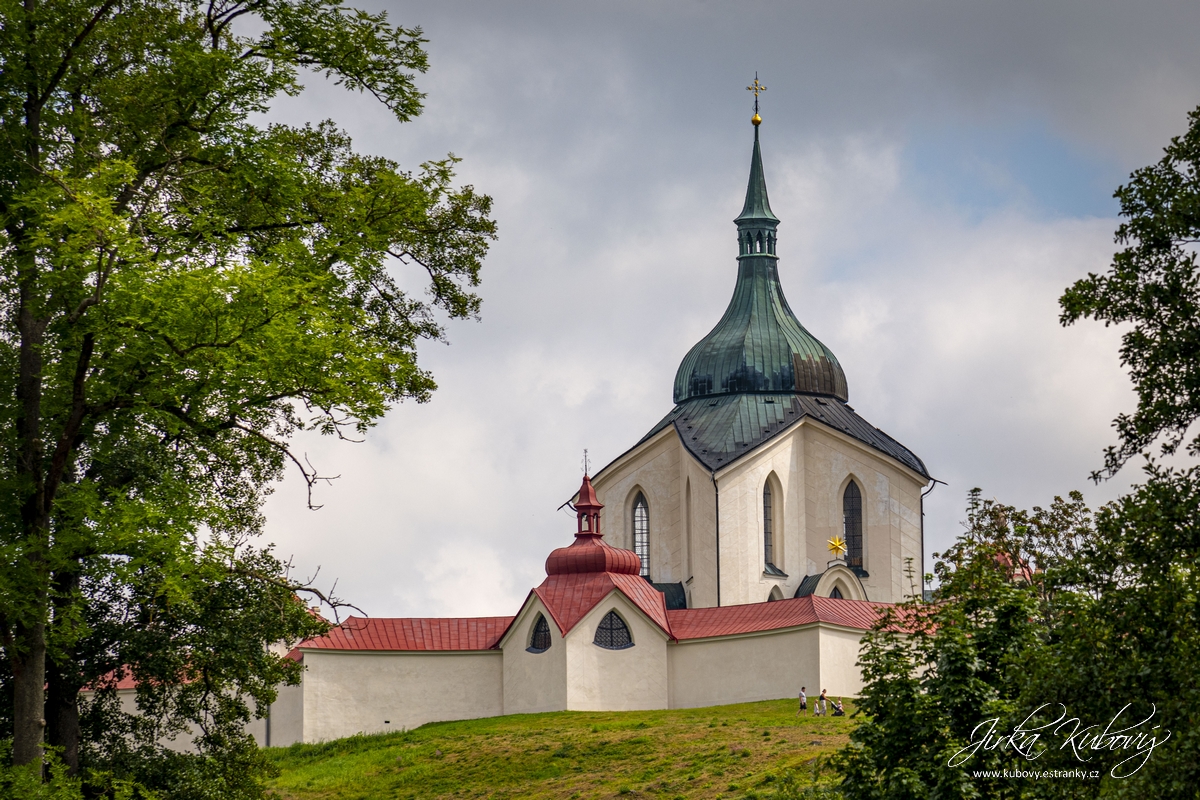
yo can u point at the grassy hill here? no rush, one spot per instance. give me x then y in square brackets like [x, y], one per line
[752, 750]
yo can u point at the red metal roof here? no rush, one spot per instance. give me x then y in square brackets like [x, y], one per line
[701, 623]
[424, 634]
[571, 596]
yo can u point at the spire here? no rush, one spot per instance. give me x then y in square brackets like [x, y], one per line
[757, 207]
[758, 346]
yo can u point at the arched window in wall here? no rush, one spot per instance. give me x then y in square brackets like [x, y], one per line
[539, 639]
[641, 532]
[772, 506]
[836, 594]
[613, 633]
[852, 516]
[768, 527]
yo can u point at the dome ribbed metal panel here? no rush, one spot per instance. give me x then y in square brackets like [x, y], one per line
[759, 345]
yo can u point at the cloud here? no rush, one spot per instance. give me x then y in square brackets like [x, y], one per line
[616, 143]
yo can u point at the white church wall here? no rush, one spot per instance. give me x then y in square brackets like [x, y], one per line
[891, 508]
[373, 692]
[700, 579]
[654, 469]
[840, 674]
[743, 578]
[533, 682]
[742, 669]
[616, 680]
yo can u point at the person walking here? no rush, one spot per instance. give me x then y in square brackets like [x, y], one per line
[803, 702]
[822, 705]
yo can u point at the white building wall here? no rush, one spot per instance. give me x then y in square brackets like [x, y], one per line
[742, 669]
[891, 509]
[349, 692]
[653, 469]
[813, 463]
[533, 682]
[632, 679]
[840, 674]
[287, 717]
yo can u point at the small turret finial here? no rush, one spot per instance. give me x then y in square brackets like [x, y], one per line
[757, 88]
[587, 464]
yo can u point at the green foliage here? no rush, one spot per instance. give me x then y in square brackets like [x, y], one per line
[1153, 287]
[182, 290]
[933, 672]
[1038, 613]
[26, 782]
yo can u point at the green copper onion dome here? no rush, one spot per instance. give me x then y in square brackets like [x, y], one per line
[759, 345]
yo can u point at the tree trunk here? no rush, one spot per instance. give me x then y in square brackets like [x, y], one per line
[29, 693]
[62, 713]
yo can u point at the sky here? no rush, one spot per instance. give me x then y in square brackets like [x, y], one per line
[942, 171]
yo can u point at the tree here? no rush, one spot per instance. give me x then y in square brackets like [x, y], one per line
[183, 288]
[1062, 607]
[1153, 286]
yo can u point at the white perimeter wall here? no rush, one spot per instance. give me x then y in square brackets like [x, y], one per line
[351, 692]
[742, 669]
[287, 717]
[840, 674]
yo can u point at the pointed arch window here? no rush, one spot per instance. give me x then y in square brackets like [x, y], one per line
[768, 527]
[852, 516]
[836, 594]
[539, 638]
[641, 533]
[613, 633]
[772, 506]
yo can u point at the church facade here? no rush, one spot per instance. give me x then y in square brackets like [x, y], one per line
[700, 572]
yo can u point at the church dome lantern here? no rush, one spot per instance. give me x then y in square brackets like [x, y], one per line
[759, 345]
[589, 552]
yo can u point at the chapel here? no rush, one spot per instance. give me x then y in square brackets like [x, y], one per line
[737, 552]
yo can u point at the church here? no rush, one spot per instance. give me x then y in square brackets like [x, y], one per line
[737, 552]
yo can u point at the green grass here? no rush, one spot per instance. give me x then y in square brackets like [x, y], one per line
[751, 750]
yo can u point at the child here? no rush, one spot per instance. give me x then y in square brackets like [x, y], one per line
[838, 711]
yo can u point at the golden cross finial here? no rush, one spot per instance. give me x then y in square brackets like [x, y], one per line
[758, 89]
[837, 546]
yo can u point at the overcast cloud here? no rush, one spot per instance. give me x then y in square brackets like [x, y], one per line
[942, 172]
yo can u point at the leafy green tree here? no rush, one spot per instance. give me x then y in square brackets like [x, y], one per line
[182, 289]
[1153, 287]
[934, 671]
[1060, 609]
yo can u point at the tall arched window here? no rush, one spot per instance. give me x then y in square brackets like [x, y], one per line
[613, 633]
[641, 532]
[852, 517]
[539, 639]
[768, 527]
